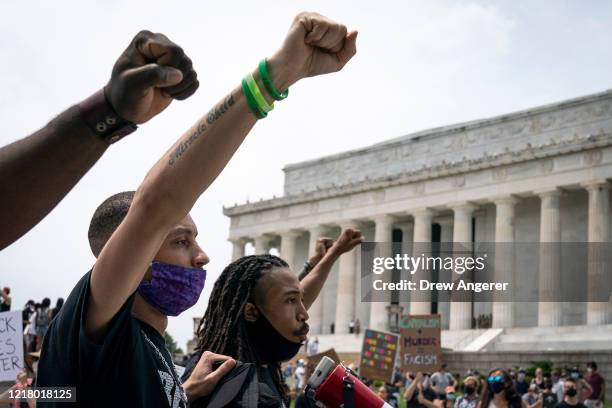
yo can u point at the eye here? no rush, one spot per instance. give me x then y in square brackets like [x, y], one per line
[291, 299]
[182, 242]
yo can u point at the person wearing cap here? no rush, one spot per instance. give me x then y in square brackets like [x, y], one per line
[532, 398]
[470, 396]
[522, 386]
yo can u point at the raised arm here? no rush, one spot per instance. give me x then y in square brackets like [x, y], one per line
[313, 282]
[38, 171]
[313, 46]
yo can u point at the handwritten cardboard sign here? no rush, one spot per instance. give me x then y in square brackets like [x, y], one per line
[11, 345]
[420, 343]
[378, 355]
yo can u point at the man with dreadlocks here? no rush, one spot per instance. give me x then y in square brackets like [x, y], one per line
[257, 314]
[110, 331]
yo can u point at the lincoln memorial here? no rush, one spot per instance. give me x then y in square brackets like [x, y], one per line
[537, 175]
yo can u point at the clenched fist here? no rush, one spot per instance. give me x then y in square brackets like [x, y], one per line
[315, 45]
[150, 73]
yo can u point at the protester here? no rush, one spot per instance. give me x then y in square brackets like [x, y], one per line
[500, 392]
[38, 171]
[442, 379]
[451, 397]
[384, 394]
[42, 321]
[521, 384]
[57, 308]
[312, 347]
[570, 399]
[583, 388]
[420, 393]
[149, 266]
[30, 330]
[549, 397]
[28, 310]
[532, 398]
[300, 374]
[538, 380]
[257, 314]
[470, 396]
[557, 385]
[598, 386]
[321, 246]
[5, 304]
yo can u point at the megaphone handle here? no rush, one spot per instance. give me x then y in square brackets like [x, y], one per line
[349, 392]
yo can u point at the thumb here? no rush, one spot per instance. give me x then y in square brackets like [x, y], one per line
[350, 48]
[151, 75]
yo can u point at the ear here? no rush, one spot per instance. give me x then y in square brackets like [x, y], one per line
[250, 312]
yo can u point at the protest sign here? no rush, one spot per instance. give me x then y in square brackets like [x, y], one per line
[420, 343]
[11, 345]
[378, 355]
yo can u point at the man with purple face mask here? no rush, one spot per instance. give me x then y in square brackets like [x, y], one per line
[109, 331]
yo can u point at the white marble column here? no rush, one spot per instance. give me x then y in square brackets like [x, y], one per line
[345, 301]
[238, 247]
[503, 311]
[461, 311]
[383, 233]
[420, 302]
[288, 246]
[599, 224]
[446, 239]
[316, 309]
[407, 229]
[262, 244]
[549, 312]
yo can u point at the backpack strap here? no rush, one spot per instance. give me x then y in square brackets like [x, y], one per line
[250, 397]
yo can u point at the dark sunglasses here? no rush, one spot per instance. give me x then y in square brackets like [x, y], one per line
[493, 379]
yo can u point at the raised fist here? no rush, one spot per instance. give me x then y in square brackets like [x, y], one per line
[314, 45]
[150, 73]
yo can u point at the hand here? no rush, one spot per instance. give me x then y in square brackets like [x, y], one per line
[419, 377]
[150, 73]
[203, 379]
[315, 45]
[321, 246]
[349, 239]
[421, 398]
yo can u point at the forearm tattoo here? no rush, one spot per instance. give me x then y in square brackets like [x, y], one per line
[213, 115]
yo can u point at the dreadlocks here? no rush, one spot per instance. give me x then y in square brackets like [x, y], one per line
[223, 328]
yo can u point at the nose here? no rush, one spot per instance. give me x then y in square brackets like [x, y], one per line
[200, 258]
[302, 314]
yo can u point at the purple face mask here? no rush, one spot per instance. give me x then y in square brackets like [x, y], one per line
[172, 289]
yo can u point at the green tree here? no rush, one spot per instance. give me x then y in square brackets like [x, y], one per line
[171, 344]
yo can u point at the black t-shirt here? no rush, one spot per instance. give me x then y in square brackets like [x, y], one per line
[549, 400]
[130, 367]
[429, 395]
[564, 404]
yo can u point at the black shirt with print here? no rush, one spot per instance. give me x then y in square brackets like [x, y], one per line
[121, 370]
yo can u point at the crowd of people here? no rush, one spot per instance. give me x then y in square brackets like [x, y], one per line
[511, 388]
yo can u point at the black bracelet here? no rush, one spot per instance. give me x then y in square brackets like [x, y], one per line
[102, 119]
[307, 266]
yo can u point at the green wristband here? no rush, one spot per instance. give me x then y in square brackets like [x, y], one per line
[259, 98]
[265, 77]
[251, 101]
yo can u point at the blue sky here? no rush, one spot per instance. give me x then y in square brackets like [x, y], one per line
[420, 64]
